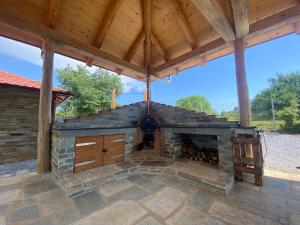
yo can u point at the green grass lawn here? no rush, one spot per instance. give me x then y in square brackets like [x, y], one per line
[268, 126]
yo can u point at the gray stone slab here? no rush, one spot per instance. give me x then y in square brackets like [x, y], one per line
[114, 187]
[44, 221]
[119, 213]
[275, 205]
[126, 165]
[154, 163]
[9, 196]
[9, 187]
[23, 214]
[294, 206]
[202, 200]
[132, 193]
[149, 221]
[67, 216]
[189, 178]
[190, 216]
[294, 219]
[39, 187]
[146, 183]
[165, 201]
[88, 203]
[134, 178]
[235, 216]
[2, 220]
[157, 188]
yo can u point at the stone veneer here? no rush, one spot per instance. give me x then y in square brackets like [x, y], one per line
[18, 124]
[173, 123]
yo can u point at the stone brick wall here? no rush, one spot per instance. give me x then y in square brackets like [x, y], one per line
[18, 124]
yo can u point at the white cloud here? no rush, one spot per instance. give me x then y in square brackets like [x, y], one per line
[32, 55]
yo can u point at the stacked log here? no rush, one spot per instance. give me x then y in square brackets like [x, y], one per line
[192, 152]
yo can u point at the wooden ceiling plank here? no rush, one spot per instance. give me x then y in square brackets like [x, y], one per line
[273, 23]
[212, 11]
[159, 47]
[241, 20]
[52, 13]
[106, 22]
[184, 24]
[64, 42]
[147, 29]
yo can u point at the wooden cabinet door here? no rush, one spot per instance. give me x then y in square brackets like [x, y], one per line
[88, 153]
[113, 148]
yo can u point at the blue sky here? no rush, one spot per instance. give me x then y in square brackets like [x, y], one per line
[215, 81]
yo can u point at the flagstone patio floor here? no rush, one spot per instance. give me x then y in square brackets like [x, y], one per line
[149, 199]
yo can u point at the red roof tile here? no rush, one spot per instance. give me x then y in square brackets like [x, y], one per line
[7, 78]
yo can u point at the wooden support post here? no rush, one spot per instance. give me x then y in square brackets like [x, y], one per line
[242, 87]
[44, 127]
[147, 46]
[113, 99]
[145, 95]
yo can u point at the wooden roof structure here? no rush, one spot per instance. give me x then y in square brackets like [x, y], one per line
[143, 37]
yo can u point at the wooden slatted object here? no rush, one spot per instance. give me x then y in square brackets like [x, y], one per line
[95, 151]
[248, 157]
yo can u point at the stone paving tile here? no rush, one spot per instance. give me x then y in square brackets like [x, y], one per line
[2, 220]
[50, 195]
[157, 188]
[3, 208]
[119, 213]
[132, 193]
[89, 203]
[126, 165]
[146, 183]
[294, 206]
[186, 187]
[190, 216]
[67, 216]
[114, 187]
[9, 187]
[154, 163]
[294, 219]
[202, 200]
[44, 221]
[9, 196]
[165, 201]
[235, 216]
[23, 214]
[149, 221]
[39, 187]
[134, 178]
[276, 205]
[55, 206]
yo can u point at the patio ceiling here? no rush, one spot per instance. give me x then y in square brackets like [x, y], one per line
[178, 33]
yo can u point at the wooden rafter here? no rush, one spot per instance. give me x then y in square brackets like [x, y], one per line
[219, 48]
[297, 28]
[35, 31]
[107, 21]
[52, 13]
[159, 47]
[135, 46]
[184, 24]
[214, 14]
[240, 13]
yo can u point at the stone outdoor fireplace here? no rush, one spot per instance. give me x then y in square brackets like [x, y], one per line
[169, 132]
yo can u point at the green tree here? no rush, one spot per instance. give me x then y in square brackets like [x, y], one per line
[233, 115]
[283, 88]
[196, 103]
[92, 91]
[289, 114]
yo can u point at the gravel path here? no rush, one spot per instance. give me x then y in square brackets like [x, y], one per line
[283, 152]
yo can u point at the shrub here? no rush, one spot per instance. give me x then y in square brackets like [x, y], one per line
[289, 114]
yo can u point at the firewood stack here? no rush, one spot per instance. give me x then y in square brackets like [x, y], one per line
[191, 152]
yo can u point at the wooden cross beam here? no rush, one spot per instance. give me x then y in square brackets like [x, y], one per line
[52, 13]
[214, 14]
[184, 24]
[240, 13]
[159, 47]
[107, 21]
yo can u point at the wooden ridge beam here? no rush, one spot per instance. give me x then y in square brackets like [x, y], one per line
[159, 47]
[52, 13]
[289, 17]
[31, 31]
[214, 14]
[184, 24]
[107, 21]
[241, 20]
[147, 29]
[135, 46]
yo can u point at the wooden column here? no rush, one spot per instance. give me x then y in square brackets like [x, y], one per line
[44, 127]
[113, 98]
[242, 86]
